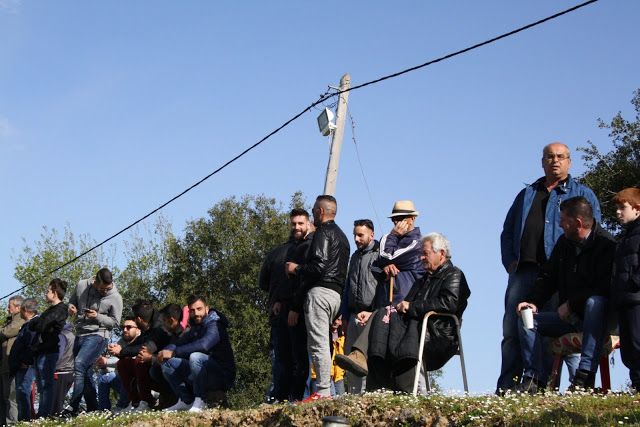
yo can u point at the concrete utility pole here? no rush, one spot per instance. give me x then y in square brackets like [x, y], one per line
[336, 141]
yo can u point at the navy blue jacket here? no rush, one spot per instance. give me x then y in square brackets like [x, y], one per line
[21, 350]
[209, 337]
[625, 278]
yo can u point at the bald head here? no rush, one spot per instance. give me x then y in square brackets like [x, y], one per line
[324, 209]
[556, 161]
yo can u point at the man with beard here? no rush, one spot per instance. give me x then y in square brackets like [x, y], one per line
[202, 358]
[323, 274]
[291, 362]
[273, 278]
[359, 291]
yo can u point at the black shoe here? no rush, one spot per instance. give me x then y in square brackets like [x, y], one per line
[583, 381]
[69, 413]
[528, 385]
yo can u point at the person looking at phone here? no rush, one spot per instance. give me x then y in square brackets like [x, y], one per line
[97, 306]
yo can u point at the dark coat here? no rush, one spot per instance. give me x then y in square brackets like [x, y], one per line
[395, 338]
[576, 271]
[155, 338]
[297, 254]
[47, 326]
[273, 279]
[625, 278]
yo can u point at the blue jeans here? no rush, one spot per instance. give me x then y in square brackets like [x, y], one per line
[106, 383]
[200, 371]
[593, 327]
[86, 349]
[45, 369]
[24, 385]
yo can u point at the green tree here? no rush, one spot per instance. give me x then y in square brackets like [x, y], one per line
[618, 169]
[146, 253]
[34, 261]
[219, 257]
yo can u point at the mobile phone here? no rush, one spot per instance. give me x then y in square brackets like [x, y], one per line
[86, 310]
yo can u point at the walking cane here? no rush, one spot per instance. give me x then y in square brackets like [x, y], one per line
[391, 290]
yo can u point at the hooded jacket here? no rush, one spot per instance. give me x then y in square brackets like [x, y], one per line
[209, 337]
[109, 308]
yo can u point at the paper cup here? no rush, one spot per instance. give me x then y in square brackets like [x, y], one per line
[527, 317]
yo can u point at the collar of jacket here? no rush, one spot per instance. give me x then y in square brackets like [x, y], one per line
[326, 223]
[631, 225]
[441, 270]
[562, 185]
[370, 248]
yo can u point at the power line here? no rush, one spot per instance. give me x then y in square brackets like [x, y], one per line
[322, 99]
[353, 136]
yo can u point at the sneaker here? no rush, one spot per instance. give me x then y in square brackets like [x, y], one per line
[69, 412]
[198, 405]
[126, 410]
[582, 381]
[313, 398]
[528, 385]
[142, 407]
[355, 363]
[180, 406]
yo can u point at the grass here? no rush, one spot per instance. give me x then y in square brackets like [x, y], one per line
[550, 409]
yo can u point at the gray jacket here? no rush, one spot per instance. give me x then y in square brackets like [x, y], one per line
[109, 308]
[360, 289]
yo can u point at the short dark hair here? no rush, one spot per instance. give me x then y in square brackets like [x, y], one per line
[30, 305]
[192, 299]
[299, 212]
[104, 276]
[579, 207]
[327, 197]
[172, 311]
[143, 309]
[59, 287]
[129, 317]
[363, 223]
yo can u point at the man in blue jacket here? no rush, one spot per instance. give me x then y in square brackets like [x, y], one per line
[202, 357]
[21, 360]
[530, 232]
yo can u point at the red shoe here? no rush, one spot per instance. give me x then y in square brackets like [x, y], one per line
[313, 398]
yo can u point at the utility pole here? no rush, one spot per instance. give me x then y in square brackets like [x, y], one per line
[336, 141]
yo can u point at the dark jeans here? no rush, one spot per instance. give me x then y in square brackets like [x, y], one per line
[86, 349]
[45, 369]
[200, 371]
[630, 342]
[292, 355]
[61, 385]
[24, 385]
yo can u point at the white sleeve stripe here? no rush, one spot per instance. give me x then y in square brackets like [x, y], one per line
[397, 253]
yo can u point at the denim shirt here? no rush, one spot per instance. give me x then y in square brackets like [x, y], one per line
[517, 215]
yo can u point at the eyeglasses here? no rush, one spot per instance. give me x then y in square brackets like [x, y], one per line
[551, 157]
[127, 327]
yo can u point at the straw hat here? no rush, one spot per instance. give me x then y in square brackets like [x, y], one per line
[403, 208]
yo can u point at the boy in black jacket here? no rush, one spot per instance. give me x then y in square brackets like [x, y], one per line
[45, 344]
[626, 280]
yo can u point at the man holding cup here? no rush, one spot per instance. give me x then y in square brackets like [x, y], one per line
[579, 269]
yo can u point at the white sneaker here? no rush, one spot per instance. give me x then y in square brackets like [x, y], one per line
[142, 407]
[198, 405]
[180, 406]
[126, 410]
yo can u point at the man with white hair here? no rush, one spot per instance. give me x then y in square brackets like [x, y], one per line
[387, 350]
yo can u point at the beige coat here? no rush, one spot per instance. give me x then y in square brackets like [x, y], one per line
[8, 334]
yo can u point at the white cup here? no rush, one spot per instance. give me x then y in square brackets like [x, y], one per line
[527, 317]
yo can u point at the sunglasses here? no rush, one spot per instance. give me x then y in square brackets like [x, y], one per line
[127, 327]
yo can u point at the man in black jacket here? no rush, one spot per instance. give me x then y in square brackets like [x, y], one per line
[387, 349]
[323, 276]
[132, 368]
[579, 269]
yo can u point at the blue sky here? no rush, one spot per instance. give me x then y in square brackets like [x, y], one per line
[136, 101]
